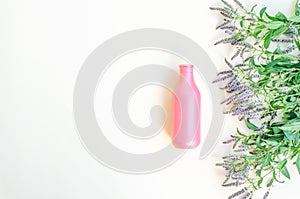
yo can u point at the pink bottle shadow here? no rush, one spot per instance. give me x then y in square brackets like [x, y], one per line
[185, 131]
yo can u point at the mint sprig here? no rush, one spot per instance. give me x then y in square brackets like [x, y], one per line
[263, 87]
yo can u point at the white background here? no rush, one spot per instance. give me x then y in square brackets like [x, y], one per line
[42, 47]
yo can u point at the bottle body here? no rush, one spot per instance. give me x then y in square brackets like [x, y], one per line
[186, 110]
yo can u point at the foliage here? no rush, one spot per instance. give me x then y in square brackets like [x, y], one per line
[263, 89]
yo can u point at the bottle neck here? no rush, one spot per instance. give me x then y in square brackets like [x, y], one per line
[186, 71]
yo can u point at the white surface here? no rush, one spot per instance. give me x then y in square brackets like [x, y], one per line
[43, 44]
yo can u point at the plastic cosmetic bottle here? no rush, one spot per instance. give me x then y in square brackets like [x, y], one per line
[186, 110]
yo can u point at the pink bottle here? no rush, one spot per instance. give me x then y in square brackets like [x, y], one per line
[186, 110]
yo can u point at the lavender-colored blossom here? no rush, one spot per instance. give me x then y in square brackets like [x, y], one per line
[229, 64]
[283, 40]
[231, 98]
[237, 42]
[248, 45]
[226, 165]
[247, 92]
[228, 32]
[292, 28]
[265, 115]
[241, 102]
[238, 88]
[255, 77]
[285, 89]
[237, 193]
[227, 4]
[222, 78]
[261, 128]
[236, 53]
[242, 111]
[241, 117]
[258, 109]
[239, 3]
[235, 156]
[239, 65]
[226, 180]
[266, 195]
[223, 24]
[248, 58]
[247, 69]
[224, 41]
[224, 72]
[229, 184]
[229, 27]
[229, 16]
[242, 146]
[289, 49]
[246, 196]
[239, 176]
[242, 52]
[217, 9]
[229, 141]
[253, 116]
[233, 83]
[290, 35]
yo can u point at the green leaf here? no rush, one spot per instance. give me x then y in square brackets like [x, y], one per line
[283, 149]
[266, 160]
[242, 23]
[251, 157]
[271, 142]
[276, 129]
[253, 7]
[273, 63]
[270, 182]
[297, 43]
[257, 31]
[282, 164]
[298, 163]
[262, 12]
[297, 8]
[274, 25]
[268, 39]
[291, 125]
[289, 135]
[290, 115]
[281, 16]
[259, 182]
[258, 141]
[277, 33]
[250, 125]
[285, 172]
[239, 132]
[258, 172]
[294, 19]
[275, 177]
[271, 18]
[294, 154]
[297, 138]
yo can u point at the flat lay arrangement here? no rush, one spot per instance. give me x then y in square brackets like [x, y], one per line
[150, 99]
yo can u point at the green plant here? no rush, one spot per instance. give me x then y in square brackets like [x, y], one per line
[264, 91]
